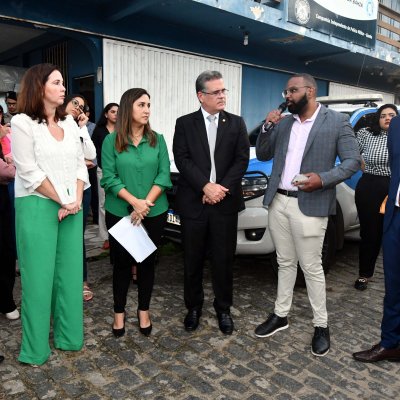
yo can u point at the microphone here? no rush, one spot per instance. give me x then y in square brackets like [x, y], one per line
[282, 107]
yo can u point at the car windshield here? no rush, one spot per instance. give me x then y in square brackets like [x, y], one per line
[365, 121]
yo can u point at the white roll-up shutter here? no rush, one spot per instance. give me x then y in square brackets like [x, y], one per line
[168, 76]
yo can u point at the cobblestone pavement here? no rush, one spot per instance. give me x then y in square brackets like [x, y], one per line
[173, 364]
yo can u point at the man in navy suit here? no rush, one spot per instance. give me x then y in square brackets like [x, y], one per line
[388, 348]
[211, 151]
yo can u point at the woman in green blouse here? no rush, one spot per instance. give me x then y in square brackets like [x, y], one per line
[135, 175]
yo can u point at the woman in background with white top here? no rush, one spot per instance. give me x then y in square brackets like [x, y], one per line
[50, 177]
[105, 125]
[74, 104]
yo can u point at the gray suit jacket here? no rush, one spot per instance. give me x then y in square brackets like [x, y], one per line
[330, 136]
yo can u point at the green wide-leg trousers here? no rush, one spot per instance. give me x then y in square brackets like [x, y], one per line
[50, 261]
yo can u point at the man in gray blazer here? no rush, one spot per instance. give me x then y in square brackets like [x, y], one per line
[301, 194]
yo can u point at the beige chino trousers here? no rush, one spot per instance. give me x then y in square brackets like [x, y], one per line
[298, 238]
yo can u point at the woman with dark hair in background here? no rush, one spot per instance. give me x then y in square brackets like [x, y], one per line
[135, 175]
[5, 142]
[49, 181]
[104, 126]
[74, 105]
[2, 115]
[94, 201]
[7, 245]
[371, 190]
[5, 139]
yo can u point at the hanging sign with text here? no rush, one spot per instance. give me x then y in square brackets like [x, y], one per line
[351, 20]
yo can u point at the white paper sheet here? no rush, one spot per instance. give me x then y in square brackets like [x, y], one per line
[133, 238]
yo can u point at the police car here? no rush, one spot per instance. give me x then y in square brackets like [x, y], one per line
[253, 236]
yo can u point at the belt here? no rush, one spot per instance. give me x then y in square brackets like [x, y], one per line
[288, 193]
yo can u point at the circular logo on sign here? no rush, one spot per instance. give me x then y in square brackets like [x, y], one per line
[302, 11]
[370, 8]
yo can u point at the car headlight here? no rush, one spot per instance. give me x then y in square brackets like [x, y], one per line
[254, 186]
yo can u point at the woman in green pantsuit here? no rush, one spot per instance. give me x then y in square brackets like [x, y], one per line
[50, 177]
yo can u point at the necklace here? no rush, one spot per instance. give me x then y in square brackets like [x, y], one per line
[53, 125]
[137, 137]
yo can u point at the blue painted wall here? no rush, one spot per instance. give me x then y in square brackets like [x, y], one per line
[84, 57]
[261, 92]
[79, 61]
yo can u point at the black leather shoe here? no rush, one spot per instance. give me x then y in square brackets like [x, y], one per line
[272, 325]
[192, 320]
[225, 323]
[361, 283]
[320, 342]
[144, 331]
[119, 332]
[377, 353]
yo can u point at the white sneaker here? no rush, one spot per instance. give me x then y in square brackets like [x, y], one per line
[13, 314]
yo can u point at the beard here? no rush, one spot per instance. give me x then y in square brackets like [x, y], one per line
[298, 107]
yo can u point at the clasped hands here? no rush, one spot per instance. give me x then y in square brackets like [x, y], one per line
[67, 209]
[141, 209]
[213, 193]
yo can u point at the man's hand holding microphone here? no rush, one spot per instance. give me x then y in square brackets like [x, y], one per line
[309, 181]
[274, 117]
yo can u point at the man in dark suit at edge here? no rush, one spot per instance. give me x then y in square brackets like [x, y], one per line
[211, 152]
[388, 348]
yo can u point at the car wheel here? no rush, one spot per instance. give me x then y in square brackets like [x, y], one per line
[328, 254]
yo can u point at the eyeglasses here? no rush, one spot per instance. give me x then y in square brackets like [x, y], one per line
[217, 92]
[11, 104]
[76, 104]
[292, 90]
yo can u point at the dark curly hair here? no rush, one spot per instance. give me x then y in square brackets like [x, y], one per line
[375, 127]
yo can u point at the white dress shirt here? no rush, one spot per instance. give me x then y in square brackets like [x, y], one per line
[38, 155]
[207, 122]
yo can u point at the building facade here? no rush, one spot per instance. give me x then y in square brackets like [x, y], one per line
[105, 47]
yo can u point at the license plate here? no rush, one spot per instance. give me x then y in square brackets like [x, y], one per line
[173, 218]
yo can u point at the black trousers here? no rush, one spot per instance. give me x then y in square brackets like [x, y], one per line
[123, 261]
[370, 192]
[94, 201]
[7, 253]
[213, 234]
